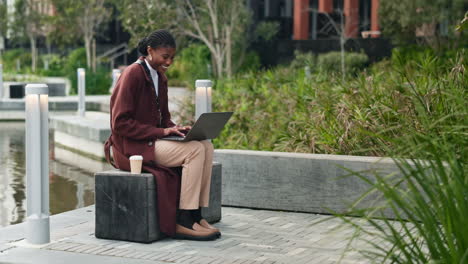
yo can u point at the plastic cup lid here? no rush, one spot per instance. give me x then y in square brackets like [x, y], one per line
[136, 157]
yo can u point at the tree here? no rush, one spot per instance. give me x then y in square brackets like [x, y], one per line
[3, 18]
[29, 21]
[219, 24]
[83, 19]
[403, 20]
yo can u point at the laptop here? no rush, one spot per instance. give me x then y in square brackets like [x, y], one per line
[207, 126]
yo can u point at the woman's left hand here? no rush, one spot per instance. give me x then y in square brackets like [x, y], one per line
[184, 127]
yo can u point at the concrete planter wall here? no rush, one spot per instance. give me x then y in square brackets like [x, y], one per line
[296, 182]
[255, 179]
[15, 90]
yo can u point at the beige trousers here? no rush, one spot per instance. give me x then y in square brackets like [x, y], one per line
[196, 159]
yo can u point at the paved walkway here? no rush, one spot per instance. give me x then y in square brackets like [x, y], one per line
[249, 236]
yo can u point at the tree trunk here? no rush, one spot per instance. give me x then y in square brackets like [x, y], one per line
[48, 45]
[228, 53]
[219, 64]
[342, 42]
[88, 51]
[94, 55]
[32, 41]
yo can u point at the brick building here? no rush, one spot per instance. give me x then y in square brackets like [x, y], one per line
[319, 19]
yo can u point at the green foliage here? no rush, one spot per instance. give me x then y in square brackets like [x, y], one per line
[463, 25]
[331, 61]
[281, 110]
[226, 38]
[411, 106]
[303, 59]
[429, 202]
[192, 63]
[400, 18]
[140, 17]
[3, 18]
[251, 62]
[10, 57]
[96, 83]
[56, 65]
[267, 30]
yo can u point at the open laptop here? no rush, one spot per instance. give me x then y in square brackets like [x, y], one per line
[207, 126]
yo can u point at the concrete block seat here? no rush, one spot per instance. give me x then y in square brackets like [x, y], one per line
[126, 205]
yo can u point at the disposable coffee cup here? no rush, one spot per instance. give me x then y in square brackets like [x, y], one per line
[135, 164]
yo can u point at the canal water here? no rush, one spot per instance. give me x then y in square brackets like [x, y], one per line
[70, 187]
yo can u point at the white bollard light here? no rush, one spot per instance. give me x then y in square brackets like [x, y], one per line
[37, 164]
[202, 97]
[1, 81]
[81, 92]
[307, 72]
[115, 77]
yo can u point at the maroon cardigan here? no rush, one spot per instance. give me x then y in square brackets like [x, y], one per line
[135, 126]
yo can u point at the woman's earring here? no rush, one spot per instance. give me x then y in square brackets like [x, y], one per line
[150, 58]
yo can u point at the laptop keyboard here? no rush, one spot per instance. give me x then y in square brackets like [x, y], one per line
[178, 138]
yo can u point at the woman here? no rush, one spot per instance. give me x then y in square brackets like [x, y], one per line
[139, 119]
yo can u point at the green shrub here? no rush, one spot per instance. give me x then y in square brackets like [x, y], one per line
[266, 30]
[99, 82]
[251, 62]
[96, 83]
[56, 65]
[331, 61]
[303, 59]
[429, 202]
[280, 110]
[10, 57]
[192, 63]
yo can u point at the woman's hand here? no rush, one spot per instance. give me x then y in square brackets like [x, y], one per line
[174, 130]
[184, 127]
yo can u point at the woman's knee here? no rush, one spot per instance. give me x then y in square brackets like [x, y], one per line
[208, 145]
[196, 146]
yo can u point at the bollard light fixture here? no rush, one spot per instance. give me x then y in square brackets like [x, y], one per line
[1, 81]
[115, 77]
[37, 164]
[202, 97]
[81, 91]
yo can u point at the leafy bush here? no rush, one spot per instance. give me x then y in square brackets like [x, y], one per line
[429, 202]
[331, 61]
[251, 62]
[267, 30]
[280, 110]
[56, 65]
[10, 57]
[303, 59]
[96, 83]
[192, 63]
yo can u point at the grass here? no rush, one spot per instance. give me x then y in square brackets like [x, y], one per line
[429, 203]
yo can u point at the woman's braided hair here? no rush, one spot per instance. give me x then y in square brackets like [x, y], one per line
[157, 39]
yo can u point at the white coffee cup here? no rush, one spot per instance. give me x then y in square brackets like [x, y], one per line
[135, 164]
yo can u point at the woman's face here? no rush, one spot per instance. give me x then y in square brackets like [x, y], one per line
[161, 58]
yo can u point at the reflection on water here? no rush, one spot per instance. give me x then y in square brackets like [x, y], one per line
[70, 187]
